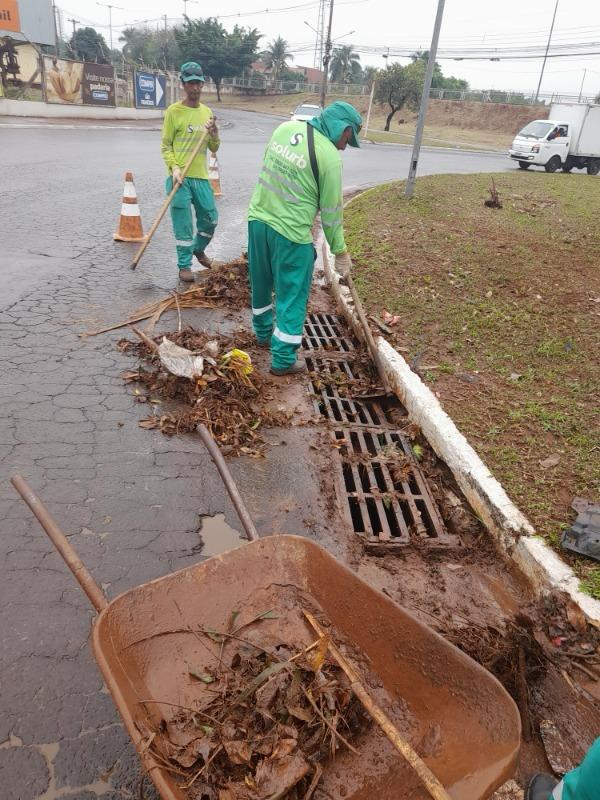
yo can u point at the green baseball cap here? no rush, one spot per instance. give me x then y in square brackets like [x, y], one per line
[191, 71]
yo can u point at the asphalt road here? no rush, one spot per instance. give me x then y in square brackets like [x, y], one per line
[130, 499]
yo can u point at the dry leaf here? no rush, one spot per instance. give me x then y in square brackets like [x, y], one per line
[239, 752]
[576, 617]
[551, 461]
[316, 657]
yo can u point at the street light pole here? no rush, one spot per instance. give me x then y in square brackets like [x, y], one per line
[537, 94]
[414, 161]
[110, 8]
[327, 56]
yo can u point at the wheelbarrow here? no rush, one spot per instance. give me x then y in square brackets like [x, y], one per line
[144, 642]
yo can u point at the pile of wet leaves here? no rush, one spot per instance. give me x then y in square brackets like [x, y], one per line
[230, 398]
[228, 284]
[268, 720]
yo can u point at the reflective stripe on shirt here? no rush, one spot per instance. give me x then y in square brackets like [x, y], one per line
[279, 192]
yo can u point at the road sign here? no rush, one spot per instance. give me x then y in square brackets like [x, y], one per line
[150, 90]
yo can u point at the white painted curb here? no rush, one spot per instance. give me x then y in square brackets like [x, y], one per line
[31, 108]
[513, 533]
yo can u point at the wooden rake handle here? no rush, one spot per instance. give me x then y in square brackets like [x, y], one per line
[428, 779]
[168, 201]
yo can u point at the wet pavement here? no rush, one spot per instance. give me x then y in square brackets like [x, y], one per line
[134, 503]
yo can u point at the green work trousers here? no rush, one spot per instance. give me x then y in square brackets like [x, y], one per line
[196, 193]
[280, 279]
[582, 783]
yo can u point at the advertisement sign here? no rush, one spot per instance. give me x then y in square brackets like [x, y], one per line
[62, 80]
[150, 90]
[98, 85]
[28, 20]
[76, 83]
[9, 16]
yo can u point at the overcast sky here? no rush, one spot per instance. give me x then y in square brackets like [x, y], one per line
[389, 23]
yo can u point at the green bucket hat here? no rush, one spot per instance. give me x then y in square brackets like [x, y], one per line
[334, 120]
[191, 71]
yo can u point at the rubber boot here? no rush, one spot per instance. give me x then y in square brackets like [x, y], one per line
[541, 787]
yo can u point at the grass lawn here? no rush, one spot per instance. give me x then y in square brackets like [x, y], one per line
[500, 309]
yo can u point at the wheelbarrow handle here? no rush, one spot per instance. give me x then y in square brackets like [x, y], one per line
[236, 497]
[59, 540]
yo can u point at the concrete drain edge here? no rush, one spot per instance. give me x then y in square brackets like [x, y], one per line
[512, 531]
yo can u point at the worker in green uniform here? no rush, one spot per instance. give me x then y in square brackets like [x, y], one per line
[582, 783]
[183, 125]
[301, 174]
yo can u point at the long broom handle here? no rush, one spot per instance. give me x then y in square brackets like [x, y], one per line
[368, 335]
[168, 201]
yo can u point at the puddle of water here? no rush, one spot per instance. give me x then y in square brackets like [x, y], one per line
[217, 536]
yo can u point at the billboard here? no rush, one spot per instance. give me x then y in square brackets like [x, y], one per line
[150, 90]
[9, 16]
[31, 20]
[76, 83]
[98, 85]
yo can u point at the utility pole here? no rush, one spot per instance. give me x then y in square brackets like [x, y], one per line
[110, 8]
[537, 94]
[166, 42]
[582, 82]
[327, 56]
[75, 22]
[414, 161]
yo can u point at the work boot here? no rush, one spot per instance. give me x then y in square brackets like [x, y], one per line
[203, 258]
[293, 369]
[186, 275]
[541, 787]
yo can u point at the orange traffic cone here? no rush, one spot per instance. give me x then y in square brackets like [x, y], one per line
[130, 221]
[213, 175]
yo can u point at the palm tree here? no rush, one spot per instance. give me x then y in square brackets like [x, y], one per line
[344, 64]
[276, 55]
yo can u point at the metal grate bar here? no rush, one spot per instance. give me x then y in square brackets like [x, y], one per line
[326, 378]
[326, 332]
[384, 509]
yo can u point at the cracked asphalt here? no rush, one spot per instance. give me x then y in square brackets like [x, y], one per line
[128, 499]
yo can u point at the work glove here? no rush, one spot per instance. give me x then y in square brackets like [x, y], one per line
[177, 176]
[343, 264]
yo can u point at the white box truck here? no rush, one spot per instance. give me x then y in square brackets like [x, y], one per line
[569, 138]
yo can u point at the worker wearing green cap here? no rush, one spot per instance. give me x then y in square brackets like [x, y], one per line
[301, 174]
[183, 125]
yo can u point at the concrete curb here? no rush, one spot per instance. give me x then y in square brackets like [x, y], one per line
[513, 533]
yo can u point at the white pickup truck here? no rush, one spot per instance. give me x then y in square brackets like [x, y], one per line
[569, 138]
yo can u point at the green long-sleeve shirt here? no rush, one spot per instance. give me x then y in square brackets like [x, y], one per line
[182, 127]
[286, 196]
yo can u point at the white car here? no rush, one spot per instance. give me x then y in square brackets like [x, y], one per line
[305, 112]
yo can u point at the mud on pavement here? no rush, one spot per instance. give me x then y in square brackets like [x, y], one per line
[135, 503]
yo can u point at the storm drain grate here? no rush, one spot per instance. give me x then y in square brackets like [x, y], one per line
[326, 332]
[388, 500]
[331, 391]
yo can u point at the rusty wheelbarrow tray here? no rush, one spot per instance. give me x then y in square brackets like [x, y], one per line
[146, 639]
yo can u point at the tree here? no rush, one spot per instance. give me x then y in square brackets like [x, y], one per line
[221, 54]
[89, 45]
[369, 75]
[439, 80]
[150, 48]
[292, 76]
[276, 56]
[345, 65]
[399, 86]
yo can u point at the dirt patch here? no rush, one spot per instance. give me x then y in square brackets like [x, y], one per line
[499, 315]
